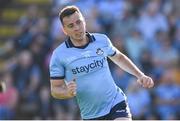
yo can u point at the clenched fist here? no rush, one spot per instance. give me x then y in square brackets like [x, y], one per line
[72, 87]
[145, 81]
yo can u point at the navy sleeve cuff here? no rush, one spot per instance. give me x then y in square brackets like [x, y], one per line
[57, 77]
[113, 54]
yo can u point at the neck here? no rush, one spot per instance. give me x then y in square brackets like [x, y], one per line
[80, 42]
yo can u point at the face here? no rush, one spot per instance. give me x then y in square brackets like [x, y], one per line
[74, 26]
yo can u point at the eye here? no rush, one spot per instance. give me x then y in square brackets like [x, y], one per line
[78, 22]
[70, 26]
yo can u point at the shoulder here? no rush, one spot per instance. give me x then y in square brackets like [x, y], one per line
[58, 51]
[99, 36]
[102, 38]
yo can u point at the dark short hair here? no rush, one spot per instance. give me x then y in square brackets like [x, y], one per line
[67, 11]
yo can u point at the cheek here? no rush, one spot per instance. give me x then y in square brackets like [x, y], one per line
[68, 32]
[84, 27]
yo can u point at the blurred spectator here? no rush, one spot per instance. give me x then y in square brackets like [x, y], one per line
[46, 104]
[8, 50]
[8, 99]
[66, 109]
[27, 77]
[139, 101]
[29, 18]
[147, 31]
[134, 50]
[152, 20]
[176, 43]
[39, 48]
[137, 6]
[23, 70]
[91, 18]
[25, 23]
[146, 62]
[125, 23]
[55, 29]
[165, 55]
[167, 97]
[109, 9]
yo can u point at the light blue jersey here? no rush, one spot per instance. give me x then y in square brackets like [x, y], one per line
[96, 89]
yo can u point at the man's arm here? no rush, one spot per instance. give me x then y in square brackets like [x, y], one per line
[60, 90]
[127, 65]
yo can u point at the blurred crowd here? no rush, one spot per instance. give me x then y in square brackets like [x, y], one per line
[147, 31]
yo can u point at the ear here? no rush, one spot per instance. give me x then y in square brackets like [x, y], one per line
[64, 30]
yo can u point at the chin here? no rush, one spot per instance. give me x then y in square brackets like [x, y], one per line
[79, 38]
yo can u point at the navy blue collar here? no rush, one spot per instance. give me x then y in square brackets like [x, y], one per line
[69, 43]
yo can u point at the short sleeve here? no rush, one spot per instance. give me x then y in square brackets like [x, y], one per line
[56, 68]
[111, 50]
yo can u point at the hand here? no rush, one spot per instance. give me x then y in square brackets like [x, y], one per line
[72, 87]
[145, 81]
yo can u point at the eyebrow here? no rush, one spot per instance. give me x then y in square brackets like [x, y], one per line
[70, 24]
[75, 22]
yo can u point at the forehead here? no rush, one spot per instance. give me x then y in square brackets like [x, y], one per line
[72, 18]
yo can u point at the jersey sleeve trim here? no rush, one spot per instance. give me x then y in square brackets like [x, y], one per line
[58, 77]
[113, 54]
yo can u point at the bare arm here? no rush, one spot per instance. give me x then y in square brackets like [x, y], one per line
[127, 65]
[60, 90]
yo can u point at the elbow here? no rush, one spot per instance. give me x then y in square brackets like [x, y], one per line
[54, 95]
[57, 96]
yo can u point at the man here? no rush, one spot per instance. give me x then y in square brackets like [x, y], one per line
[79, 68]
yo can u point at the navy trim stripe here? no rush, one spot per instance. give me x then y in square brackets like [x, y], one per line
[69, 43]
[60, 77]
[66, 44]
[93, 38]
[113, 54]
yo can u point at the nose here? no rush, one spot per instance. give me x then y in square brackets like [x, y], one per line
[76, 28]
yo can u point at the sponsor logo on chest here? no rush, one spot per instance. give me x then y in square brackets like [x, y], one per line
[89, 67]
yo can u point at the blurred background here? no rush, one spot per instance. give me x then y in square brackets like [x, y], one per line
[147, 31]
